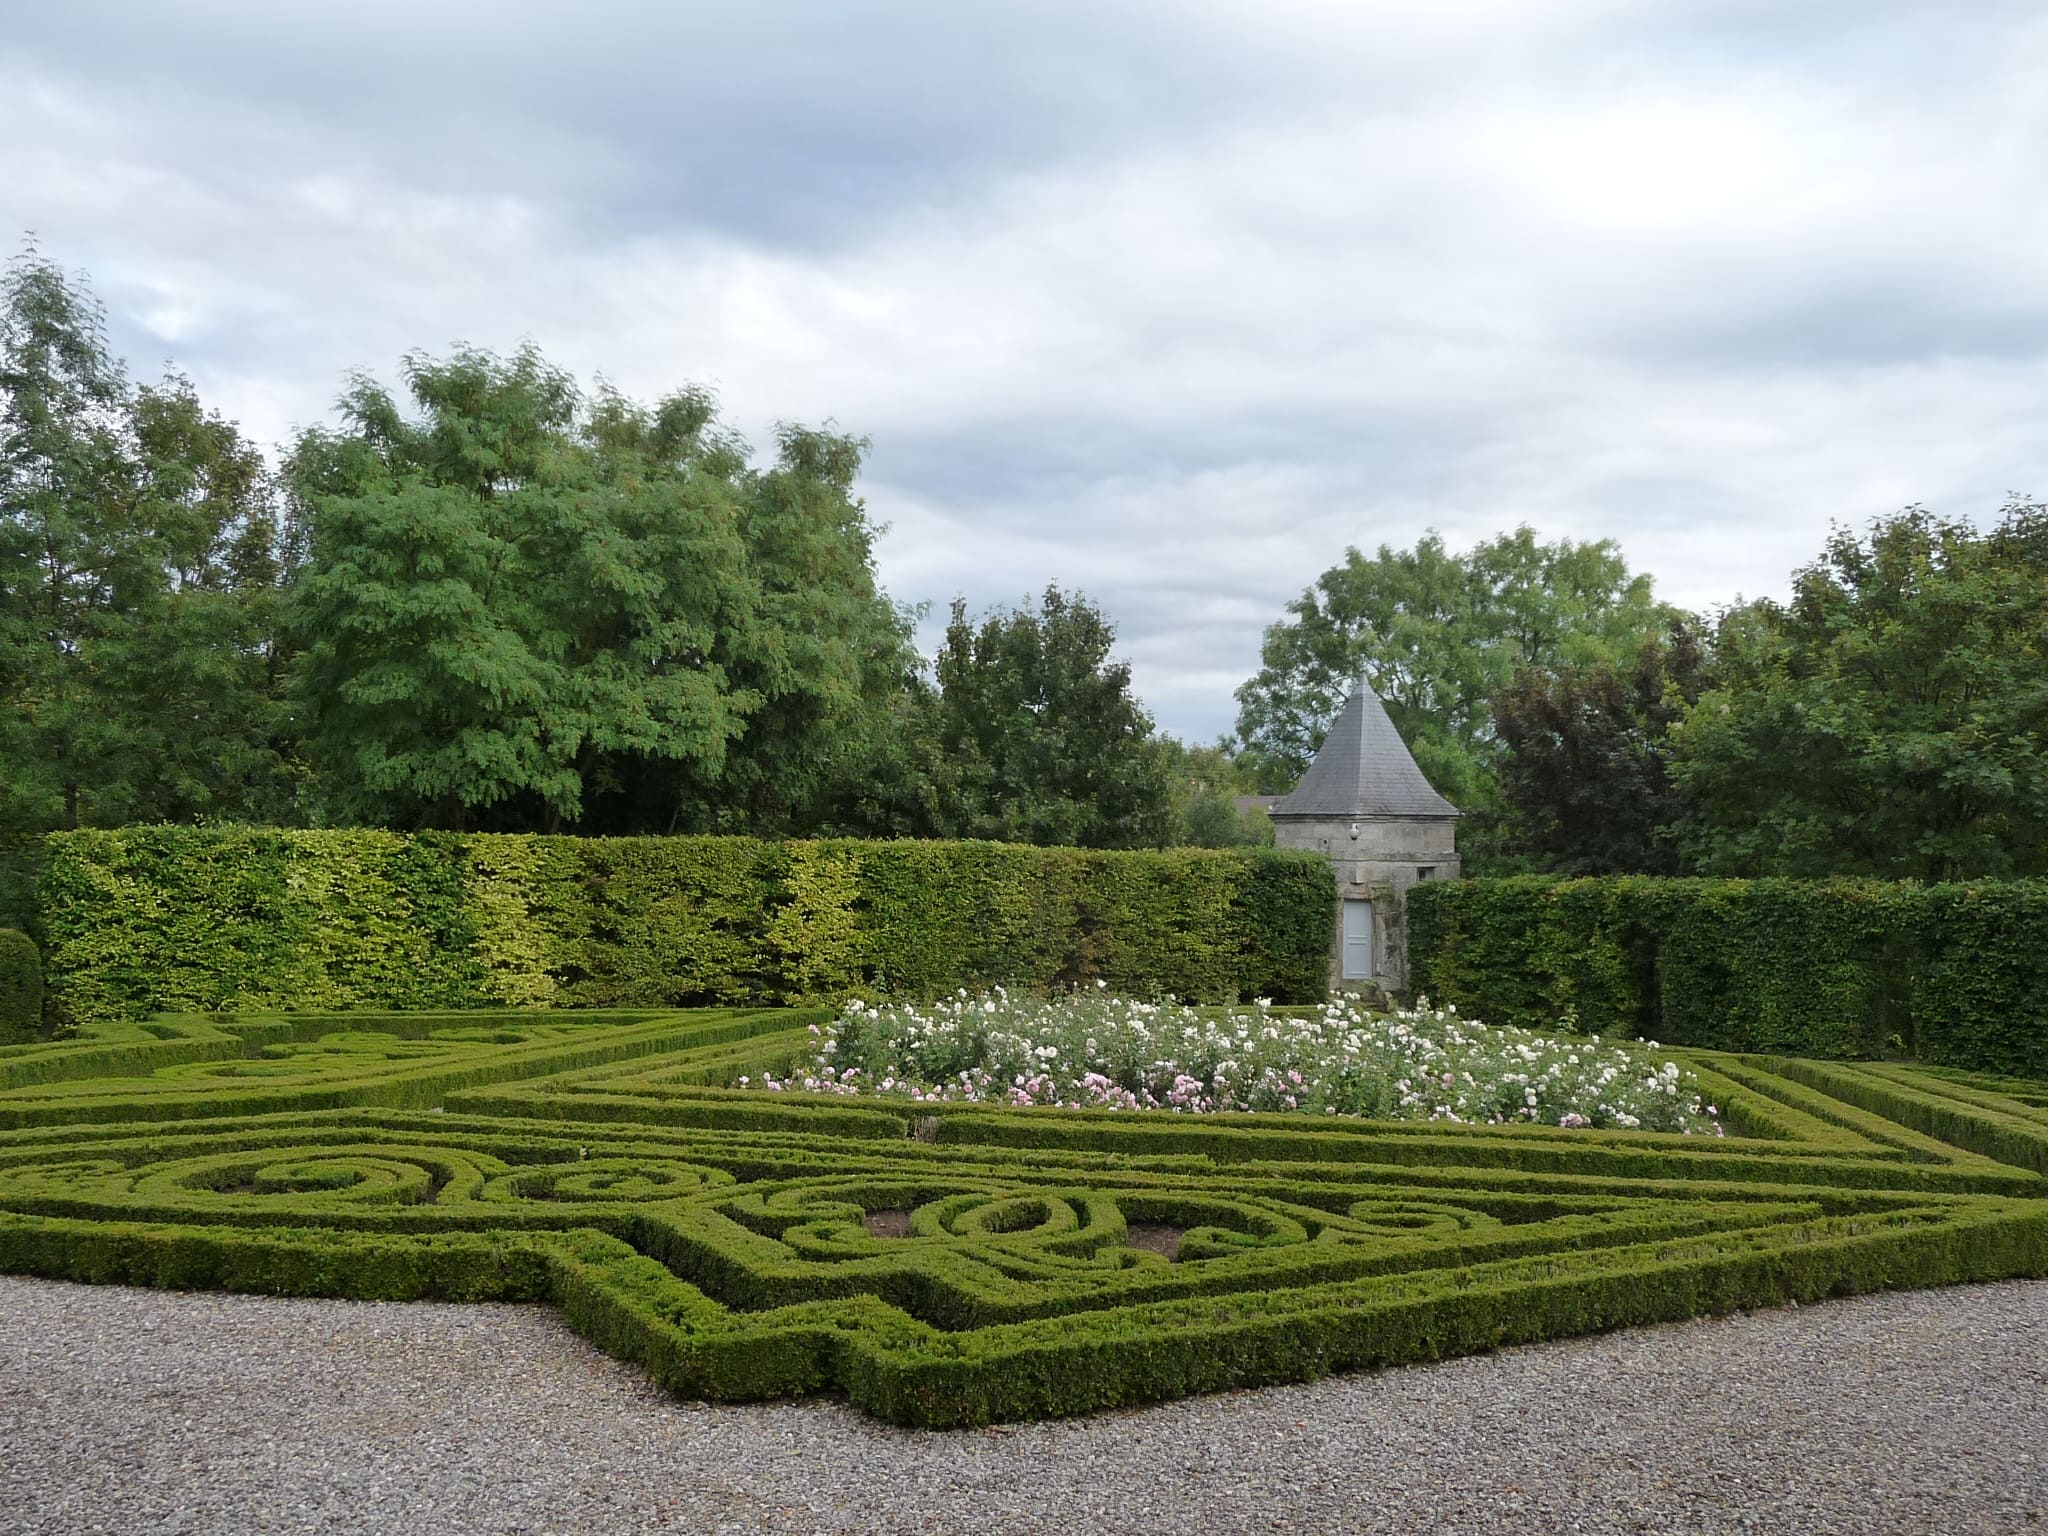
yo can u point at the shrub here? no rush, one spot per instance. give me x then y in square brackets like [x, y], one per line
[1955, 974]
[953, 1263]
[1980, 993]
[155, 919]
[1094, 1050]
[21, 863]
[21, 986]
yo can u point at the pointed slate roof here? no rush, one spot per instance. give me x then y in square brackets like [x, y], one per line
[1364, 769]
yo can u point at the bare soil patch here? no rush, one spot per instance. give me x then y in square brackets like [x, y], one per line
[1157, 1236]
[888, 1223]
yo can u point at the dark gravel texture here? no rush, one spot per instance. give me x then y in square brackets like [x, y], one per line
[136, 1411]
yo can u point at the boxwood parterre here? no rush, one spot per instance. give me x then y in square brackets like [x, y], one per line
[954, 1264]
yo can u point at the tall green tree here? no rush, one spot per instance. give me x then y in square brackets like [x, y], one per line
[138, 568]
[1208, 781]
[1891, 719]
[201, 677]
[1437, 634]
[1585, 766]
[65, 476]
[1031, 734]
[521, 609]
[820, 652]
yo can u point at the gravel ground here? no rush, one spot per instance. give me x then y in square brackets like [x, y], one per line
[137, 1411]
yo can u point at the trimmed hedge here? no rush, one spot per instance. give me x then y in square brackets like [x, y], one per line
[21, 986]
[21, 865]
[899, 1368]
[944, 1265]
[1953, 974]
[166, 919]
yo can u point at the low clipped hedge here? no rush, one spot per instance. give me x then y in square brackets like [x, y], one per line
[164, 919]
[898, 1368]
[1953, 974]
[949, 1265]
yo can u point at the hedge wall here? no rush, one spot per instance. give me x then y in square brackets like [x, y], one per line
[1953, 974]
[21, 863]
[153, 919]
[21, 986]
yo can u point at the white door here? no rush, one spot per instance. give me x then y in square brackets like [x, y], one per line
[1357, 941]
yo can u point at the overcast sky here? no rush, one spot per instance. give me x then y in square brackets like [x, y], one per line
[1168, 302]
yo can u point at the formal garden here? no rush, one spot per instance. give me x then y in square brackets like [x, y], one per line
[966, 1132]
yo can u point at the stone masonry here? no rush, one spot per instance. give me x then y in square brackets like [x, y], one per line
[1366, 807]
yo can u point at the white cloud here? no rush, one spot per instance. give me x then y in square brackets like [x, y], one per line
[1164, 306]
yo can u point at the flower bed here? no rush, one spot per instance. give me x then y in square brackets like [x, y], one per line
[1095, 1050]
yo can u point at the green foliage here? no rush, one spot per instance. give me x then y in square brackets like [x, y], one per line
[736, 1244]
[198, 1068]
[1210, 779]
[21, 985]
[1955, 974]
[511, 881]
[820, 652]
[815, 933]
[1437, 634]
[1214, 926]
[674, 921]
[139, 555]
[1032, 736]
[946, 915]
[1980, 994]
[1212, 820]
[173, 919]
[483, 596]
[1279, 912]
[1585, 773]
[21, 867]
[1889, 721]
[153, 919]
[524, 609]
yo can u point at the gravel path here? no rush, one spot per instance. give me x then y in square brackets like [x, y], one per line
[137, 1411]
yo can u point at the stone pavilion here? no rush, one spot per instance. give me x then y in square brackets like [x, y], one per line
[1366, 807]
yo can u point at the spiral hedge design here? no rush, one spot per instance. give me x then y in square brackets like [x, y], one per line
[956, 1264]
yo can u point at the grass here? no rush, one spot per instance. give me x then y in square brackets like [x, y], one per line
[956, 1262]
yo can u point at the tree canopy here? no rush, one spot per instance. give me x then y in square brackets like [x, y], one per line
[1891, 719]
[523, 608]
[1585, 769]
[492, 598]
[1031, 734]
[139, 567]
[489, 598]
[1437, 634]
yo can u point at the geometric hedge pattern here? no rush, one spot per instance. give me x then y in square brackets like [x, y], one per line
[956, 1264]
